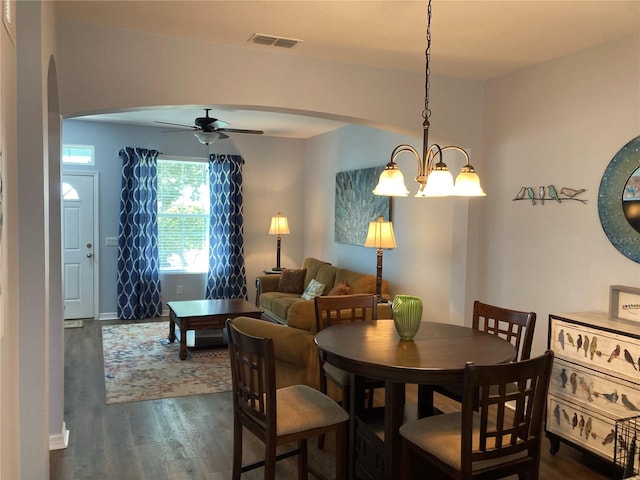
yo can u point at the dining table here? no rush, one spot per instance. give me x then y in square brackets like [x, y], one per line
[435, 356]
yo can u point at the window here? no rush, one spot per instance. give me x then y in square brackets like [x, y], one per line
[69, 193]
[183, 215]
[78, 154]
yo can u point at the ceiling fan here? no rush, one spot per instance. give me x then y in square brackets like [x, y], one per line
[208, 129]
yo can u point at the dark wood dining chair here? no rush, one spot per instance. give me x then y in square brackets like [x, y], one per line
[278, 416]
[487, 439]
[517, 327]
[334, 310]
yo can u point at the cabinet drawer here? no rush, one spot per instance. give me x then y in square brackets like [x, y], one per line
[588, 429]
[610, 396]
[608, 352]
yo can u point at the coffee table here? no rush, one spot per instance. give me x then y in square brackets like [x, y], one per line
[205, 315]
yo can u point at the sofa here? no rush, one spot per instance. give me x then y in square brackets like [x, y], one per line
[283, 302]
[292, 320]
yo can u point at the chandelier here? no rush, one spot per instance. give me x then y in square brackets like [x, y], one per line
[433, 174]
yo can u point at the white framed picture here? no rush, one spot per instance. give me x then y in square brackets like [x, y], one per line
[624, 302]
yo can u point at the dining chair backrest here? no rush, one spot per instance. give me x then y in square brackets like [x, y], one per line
[253, 380]
[308, 413]
[497, 433]
[514, 326]
[336, 309]
[491, 429]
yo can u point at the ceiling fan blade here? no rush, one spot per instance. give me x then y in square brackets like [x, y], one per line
[221, 135]
[174, 131]
[239, 130]
[178, 125]
[218, 124]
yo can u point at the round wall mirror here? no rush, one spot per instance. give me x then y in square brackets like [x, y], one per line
[619, 200]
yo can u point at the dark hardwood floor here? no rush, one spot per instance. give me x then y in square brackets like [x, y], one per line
[188, 437]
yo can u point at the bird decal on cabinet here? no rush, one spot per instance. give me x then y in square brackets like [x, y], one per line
[627, 403]
[614, 354]
[609, 438]
[629, 358]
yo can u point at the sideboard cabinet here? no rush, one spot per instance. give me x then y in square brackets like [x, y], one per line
[595, 380]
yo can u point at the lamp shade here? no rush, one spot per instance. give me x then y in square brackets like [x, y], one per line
[391, 183]
[380, 234]
[279, 225]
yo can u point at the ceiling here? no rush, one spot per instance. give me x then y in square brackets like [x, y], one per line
[473, 39]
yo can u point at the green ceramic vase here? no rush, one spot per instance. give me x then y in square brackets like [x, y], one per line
[407, 315]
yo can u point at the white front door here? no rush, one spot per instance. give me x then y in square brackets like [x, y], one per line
[78, 244]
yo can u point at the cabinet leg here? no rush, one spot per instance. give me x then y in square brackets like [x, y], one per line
[554, 442]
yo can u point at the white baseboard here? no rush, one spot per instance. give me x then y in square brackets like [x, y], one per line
[60, 440]
[114, 316]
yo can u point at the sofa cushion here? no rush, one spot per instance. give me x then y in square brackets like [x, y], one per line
[302, 315]
[313, 267]
[292, 280]
[280, 306]
[359, 282]
[340, 289]
[314, 289]
[267, 298]
[327, 275]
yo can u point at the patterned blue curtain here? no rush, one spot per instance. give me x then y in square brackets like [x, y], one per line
[138, 263]
[226, 277]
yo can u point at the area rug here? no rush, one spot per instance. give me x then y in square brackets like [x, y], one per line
[140, 364]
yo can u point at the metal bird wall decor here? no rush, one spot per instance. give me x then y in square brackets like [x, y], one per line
[549, 193]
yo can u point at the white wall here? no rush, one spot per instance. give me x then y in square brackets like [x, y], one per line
[100, 70]
[40, 369]
[103, 69]
[9, 321]
[560, 123]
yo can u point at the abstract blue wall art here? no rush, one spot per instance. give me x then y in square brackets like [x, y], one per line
[356, 205]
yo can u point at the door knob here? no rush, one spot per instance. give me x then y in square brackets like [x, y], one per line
[89, 255]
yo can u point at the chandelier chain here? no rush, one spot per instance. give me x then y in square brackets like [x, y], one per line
[426, 113]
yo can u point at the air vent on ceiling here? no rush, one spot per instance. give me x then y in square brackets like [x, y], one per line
[270, 40]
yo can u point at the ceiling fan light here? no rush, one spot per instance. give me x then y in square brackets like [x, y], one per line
[206, 138]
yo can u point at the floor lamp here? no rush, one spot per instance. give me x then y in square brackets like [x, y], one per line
[380, 235]
[279, 226]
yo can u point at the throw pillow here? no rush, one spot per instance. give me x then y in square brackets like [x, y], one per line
[340, 289]
[292, 280]
[314, 289]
